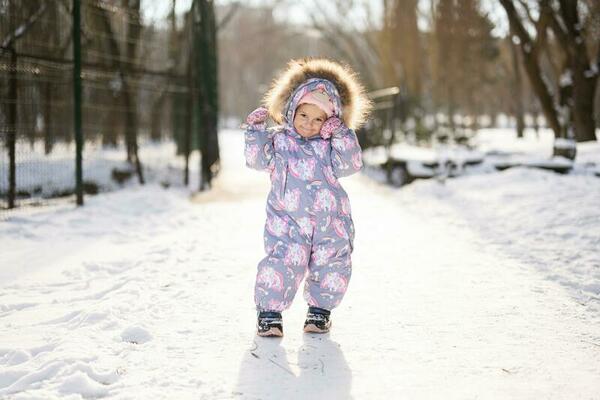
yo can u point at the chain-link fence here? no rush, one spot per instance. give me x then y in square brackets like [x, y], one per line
[148, 94]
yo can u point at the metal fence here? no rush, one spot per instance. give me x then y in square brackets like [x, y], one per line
[141, 82]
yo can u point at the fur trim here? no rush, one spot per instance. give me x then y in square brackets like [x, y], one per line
[355, 104]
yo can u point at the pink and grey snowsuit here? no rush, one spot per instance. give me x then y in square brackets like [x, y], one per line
[309, 224]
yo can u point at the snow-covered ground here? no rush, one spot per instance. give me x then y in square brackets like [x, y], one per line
[486, 286]
[48, 175]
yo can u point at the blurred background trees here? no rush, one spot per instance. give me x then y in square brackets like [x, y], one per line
[459, 63]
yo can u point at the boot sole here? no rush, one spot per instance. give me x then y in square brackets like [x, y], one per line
[311, 328]
[273, 332]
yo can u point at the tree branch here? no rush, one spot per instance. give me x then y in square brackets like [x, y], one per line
[9, 41]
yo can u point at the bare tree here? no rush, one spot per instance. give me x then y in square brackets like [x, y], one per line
[123, 61]
[571, 104]
[404, 44]
[464, 54]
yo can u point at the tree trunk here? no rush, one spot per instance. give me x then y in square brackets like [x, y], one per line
[110, 136]
[584, 81]
[48, 140]
[133, 32]
[157, 117]
[530, 54]
[406, 50]
[206, 62]
[13, 83]
[583, 108]
[128, 97]
[518, 90]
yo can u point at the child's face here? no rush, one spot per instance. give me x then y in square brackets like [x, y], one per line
[309, 119]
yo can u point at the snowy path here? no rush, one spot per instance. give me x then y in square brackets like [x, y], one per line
[153, 299]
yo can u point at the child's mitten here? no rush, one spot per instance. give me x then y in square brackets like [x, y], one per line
[331, 126]
[258, 116]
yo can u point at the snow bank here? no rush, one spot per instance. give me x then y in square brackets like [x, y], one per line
[547, 221]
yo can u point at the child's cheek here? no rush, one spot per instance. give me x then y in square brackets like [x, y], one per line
[296, 123]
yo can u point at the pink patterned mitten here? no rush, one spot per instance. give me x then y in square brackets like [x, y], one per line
[257, 116]
[330, 127]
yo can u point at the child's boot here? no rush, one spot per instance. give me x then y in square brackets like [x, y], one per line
[269, 323]
[317, 320]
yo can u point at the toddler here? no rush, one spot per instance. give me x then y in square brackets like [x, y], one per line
[317, 103]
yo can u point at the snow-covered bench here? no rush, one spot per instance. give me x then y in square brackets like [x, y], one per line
[404, 163]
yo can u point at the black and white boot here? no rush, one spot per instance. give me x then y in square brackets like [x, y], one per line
[269, 324]
[317, 320]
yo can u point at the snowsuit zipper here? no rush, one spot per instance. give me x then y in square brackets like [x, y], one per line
[284, 179]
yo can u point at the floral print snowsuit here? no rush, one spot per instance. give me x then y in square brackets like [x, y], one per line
[309, 226]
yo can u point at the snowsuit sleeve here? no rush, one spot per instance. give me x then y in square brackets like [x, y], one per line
[346, 155]
[259, 147]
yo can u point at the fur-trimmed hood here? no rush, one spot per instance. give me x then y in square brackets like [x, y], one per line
[340, 82]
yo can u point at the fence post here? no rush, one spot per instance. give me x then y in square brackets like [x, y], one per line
[77, 100]
[189, 121]
[12, 128]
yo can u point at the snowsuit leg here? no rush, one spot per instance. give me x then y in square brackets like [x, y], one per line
[281, 272]
[330, 266]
